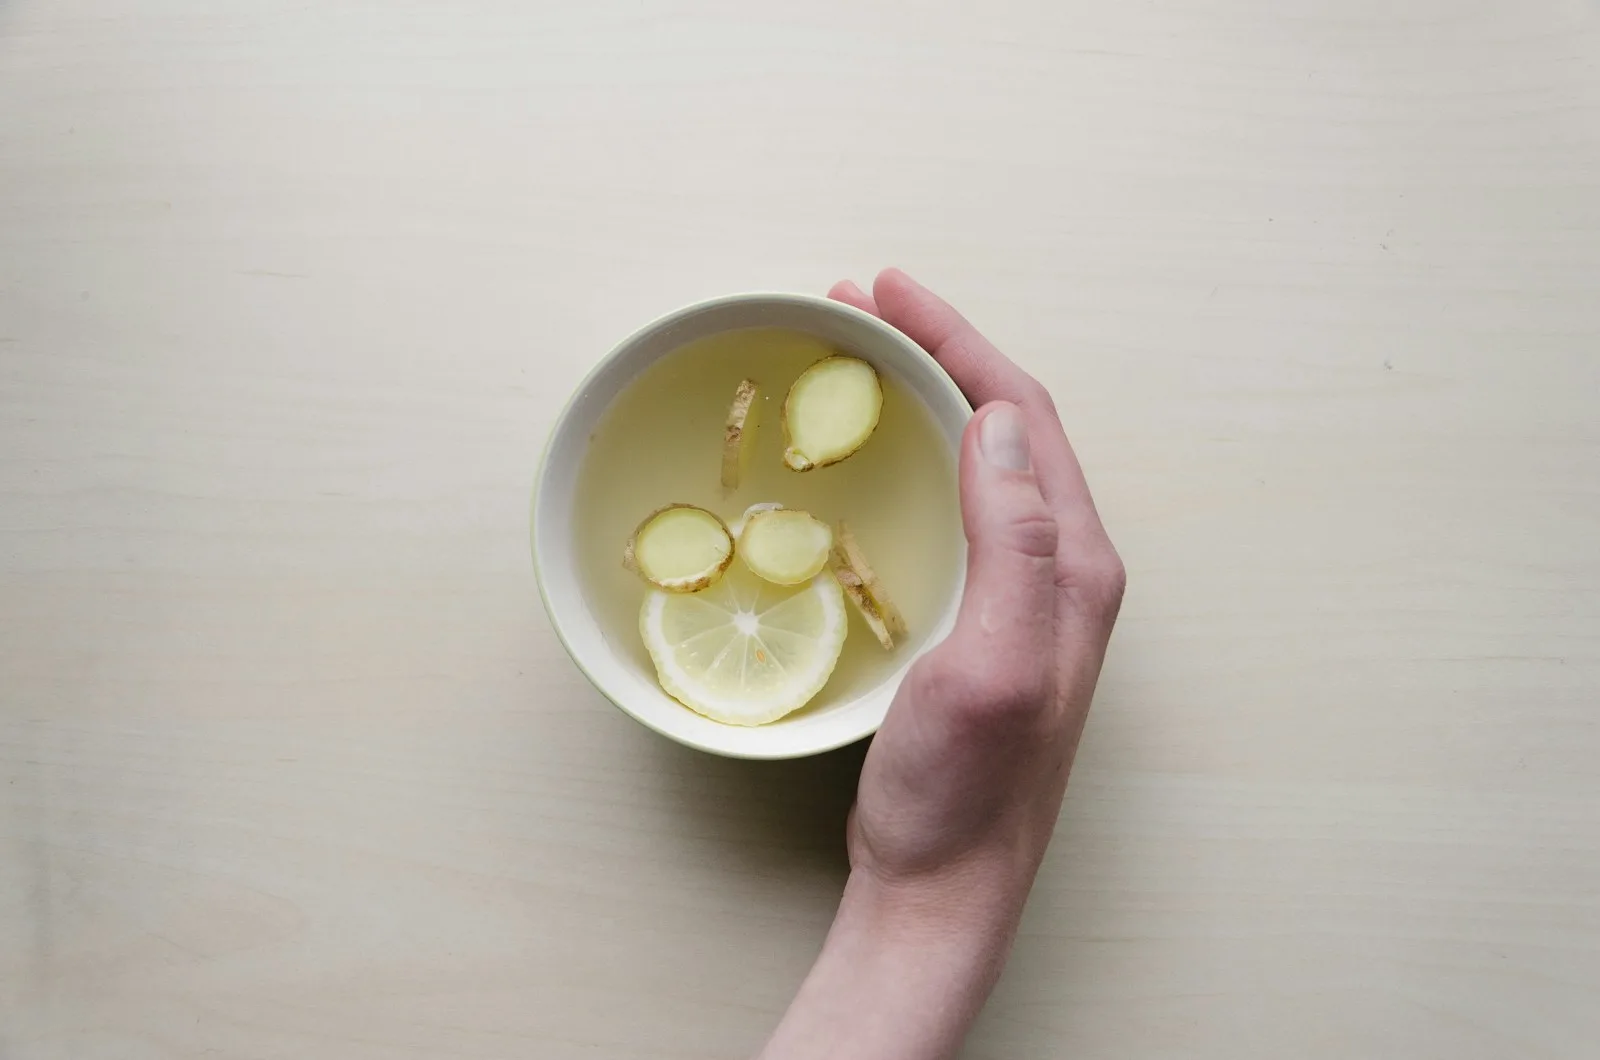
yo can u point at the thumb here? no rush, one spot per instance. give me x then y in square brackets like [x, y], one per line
[1008, 608]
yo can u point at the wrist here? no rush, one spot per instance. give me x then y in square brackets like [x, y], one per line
[969, 917]
[905, 969]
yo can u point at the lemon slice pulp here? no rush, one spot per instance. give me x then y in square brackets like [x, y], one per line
[745, 651]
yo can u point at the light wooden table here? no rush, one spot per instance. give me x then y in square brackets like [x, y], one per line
[291, 765]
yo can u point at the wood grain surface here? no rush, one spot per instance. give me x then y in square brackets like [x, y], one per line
[291, 765]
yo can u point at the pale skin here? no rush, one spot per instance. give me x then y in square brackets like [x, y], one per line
[962, 786]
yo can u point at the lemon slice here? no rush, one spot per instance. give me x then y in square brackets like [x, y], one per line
[745, 651]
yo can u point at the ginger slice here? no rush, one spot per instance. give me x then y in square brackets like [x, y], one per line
[831, 411]
[865, 589]
[680, 548]
[736, 528]
[738, 437]
[785, 546]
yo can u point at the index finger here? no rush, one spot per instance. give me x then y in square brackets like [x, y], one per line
[985, 374]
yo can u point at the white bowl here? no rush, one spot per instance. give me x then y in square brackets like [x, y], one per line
[555, 551]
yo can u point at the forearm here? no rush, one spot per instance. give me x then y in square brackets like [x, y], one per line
[901, 976]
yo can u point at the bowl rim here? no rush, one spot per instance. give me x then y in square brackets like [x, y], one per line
[885, 329]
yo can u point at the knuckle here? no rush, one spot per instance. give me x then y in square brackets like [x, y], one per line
[1035, 532]
[1111, 577]
[1101, 580]
[1038, 395]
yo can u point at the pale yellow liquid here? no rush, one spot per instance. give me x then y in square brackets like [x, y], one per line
[660, 443]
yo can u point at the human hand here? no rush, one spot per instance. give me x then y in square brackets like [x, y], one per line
[961, 788]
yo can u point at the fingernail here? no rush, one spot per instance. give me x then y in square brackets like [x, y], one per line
[1003, 438]
[850, 285]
